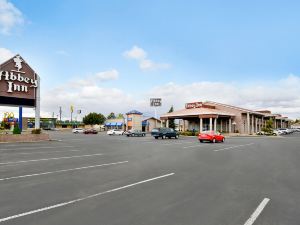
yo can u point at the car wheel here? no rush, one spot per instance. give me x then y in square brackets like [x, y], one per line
[213, 140]
[201, 141]
[223, 139]
[177, 136]
[156, 137]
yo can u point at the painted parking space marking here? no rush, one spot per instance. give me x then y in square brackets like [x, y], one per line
[37, 160]
[232, 147]
[173, 144]
[81, 199]
[61, 171]
[31, 153]
[257, 211]
[193, 146]
[29, 148]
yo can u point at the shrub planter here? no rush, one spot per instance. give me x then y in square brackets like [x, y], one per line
[24, 137]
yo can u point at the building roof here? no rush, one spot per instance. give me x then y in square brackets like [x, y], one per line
[148, 118]
[197, 112]
[235, 107]
[134, 112]
[205, 110]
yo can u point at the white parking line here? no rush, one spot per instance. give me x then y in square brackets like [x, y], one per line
[36, 160]
[81, 199]
[43, 147]
[60, 171]
[236, 146]
[193, 146]
[257, 212]
[173, 144]
[30, 153]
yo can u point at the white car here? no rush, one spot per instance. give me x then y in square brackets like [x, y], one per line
[115, 132]
[77, 130]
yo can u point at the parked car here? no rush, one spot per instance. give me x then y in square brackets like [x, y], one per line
[283, 131]
[90, 131]
[135, 133]
[78, 130]
[211, 136]
[115, 132]
[260, 133]
[164, 132]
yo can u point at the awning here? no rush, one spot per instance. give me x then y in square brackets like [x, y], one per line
[119, 123]
[107, 124]
[113, 124]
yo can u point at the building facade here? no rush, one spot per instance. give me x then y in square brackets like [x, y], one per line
[213, 116]
[134, 120]
[118, 124]
[150, 123]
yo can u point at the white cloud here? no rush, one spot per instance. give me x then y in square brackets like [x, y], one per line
[140, 55]
[150, 65]
[91, 80]
[88, 98]
[5, 54]
[107, 75]
[135, 53]
[10, 17]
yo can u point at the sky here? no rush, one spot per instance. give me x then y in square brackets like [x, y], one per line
[112, 56]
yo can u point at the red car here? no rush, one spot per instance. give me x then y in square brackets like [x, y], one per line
[211, 136]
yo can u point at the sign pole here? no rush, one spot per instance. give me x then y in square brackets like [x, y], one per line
[20, 118]
[37, 105]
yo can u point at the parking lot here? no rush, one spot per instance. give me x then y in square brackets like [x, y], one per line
[117, 180]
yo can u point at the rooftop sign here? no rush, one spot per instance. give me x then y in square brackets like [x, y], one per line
[194, 105]
[18, 83]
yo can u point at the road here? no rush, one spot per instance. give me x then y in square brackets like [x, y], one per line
[117, 180]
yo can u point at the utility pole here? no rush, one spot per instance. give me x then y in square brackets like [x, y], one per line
[72, 110]
[60, 113]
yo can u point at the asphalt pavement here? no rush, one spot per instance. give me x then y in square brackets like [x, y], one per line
[81, 179]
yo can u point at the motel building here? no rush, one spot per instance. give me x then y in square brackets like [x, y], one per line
[213, 116]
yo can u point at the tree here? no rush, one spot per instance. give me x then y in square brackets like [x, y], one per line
[171, 121]
[269, 126]
[111, 116]
[93, 118]
[120, 116]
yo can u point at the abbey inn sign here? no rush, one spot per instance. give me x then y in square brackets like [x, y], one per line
[18, 83]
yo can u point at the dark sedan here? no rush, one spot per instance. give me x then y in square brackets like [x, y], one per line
[90, 131]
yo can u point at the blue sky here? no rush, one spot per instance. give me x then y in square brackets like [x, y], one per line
[239, 44]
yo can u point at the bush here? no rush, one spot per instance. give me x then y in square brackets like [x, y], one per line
[16, 129]
[189, 133]
[36, 131]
